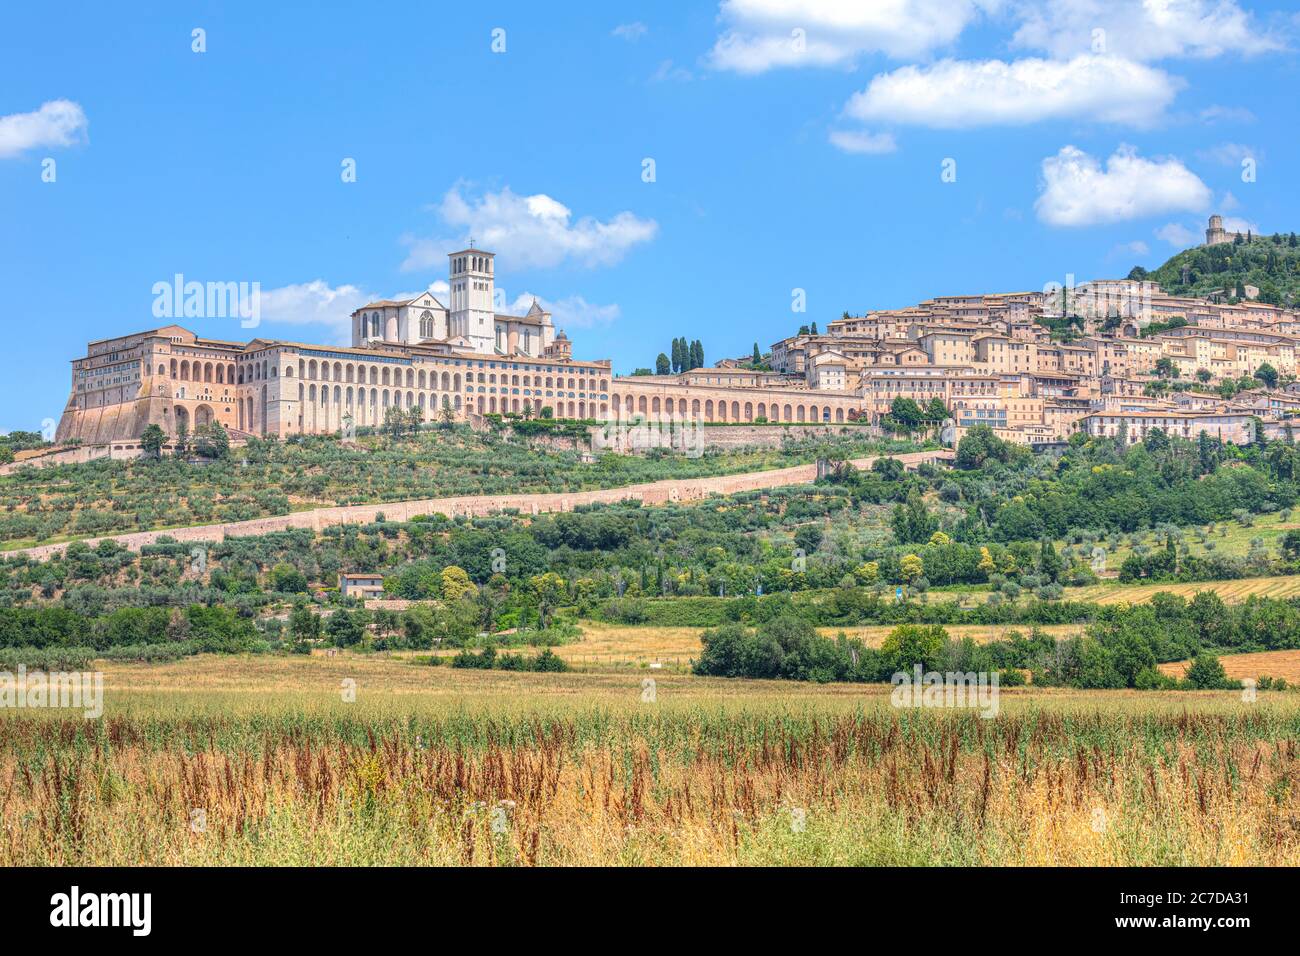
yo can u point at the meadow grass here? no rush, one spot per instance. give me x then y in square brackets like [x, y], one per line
[261, 760]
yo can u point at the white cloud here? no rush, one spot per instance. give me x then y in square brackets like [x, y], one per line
[1078, 191]
[668, 70]
[763, 34]
[570, 312]
[956, 94]
[861, 141]
[1226, 114]
[527, 232]
[440, 290]
[315, 303]
[1235, 224]
[329, 308]
[1227, 154]
[56, 123]
[1178, 235]
[1136, 248]
[1142, 29]
[630, 31]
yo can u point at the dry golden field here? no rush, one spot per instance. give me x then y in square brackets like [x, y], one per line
[1285, 664]
[1112, 592]
[1232, 592]
[372, 760]
[605, 645]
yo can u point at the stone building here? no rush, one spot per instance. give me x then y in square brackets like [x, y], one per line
[1216, 235]
[987, 357]
[414, 353]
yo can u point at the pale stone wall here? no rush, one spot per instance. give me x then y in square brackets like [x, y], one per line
[664, 398]
[651, 493]
[734, 437]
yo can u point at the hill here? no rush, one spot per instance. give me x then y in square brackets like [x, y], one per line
[263, 478]
[1270, 263]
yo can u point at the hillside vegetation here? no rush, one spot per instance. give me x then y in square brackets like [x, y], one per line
[1270, 263]
[264, 478]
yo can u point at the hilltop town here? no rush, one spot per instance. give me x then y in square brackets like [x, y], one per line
[1113, 357]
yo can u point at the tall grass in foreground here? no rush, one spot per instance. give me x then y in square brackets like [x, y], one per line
[697, 785]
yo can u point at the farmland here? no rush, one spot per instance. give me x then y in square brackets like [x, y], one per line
[1283, 664]
[1275, 586]
[681, 683]
[261, 761]
[611, 646]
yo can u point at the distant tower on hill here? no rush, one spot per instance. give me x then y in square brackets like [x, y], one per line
[1216, 235]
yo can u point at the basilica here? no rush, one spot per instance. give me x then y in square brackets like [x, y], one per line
[457, 360]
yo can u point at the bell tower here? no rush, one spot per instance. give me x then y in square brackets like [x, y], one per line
[472, 312]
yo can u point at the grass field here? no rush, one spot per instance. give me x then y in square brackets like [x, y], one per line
[262, 761]
[1229, 538]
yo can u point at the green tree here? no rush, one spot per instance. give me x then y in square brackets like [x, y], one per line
[1049, 562]
[549, 590]
[456, 584]
[808, 538]
[287, 579]
[911, 567]
[182, 443]
[912, 521]
[662, 365]
[345, 629]
[910, 644]
[1206, 672]
[395, 421]
[1291, 545]
[304, 623]
[211, 441]
[152, 440]
[979, 445]
[905, 414]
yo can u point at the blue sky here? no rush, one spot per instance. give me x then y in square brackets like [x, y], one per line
[796, 144]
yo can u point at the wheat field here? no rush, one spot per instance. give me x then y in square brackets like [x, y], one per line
[265, 761]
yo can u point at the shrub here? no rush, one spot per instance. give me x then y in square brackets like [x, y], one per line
[1206, 673]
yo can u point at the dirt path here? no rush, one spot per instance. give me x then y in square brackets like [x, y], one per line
[650, 493]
